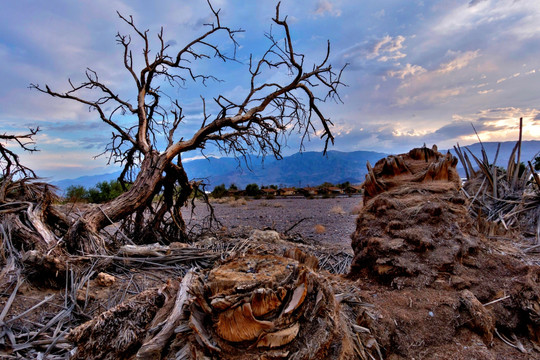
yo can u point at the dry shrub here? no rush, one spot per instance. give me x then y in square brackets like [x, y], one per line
[222, 200]
[356, 209]
[271, 204]
[320, 229]
[337, 210]
[230, 201]
[237, 202]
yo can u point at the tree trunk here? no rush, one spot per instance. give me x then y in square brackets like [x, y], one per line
[83, 235]
[166, 221]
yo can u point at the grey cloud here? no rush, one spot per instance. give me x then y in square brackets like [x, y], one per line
[457, 128]
[75, 126]
[475, 2]
[96, 141]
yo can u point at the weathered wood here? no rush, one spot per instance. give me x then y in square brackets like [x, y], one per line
[153, 346]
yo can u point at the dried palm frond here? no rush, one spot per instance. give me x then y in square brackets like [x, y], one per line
[511, 199]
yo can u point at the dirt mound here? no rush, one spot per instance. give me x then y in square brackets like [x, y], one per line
[433, 276]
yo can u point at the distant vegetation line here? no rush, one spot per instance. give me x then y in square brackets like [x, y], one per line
[109, 190]
[103, 191]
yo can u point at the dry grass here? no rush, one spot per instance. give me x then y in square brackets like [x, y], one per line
[271, 204]
[238, 202]
[222, 200]
[337, 210]
[356, 209]
[230, 201]
[320, 229]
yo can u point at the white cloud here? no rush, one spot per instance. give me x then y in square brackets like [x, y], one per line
[475, 2]
[502, 124]
[482, 92]
[431, 96]
[499, 14]
[388, 48]
[408, 70]
[379, 14]
[508, 78]
[459, 62]
[324, 7]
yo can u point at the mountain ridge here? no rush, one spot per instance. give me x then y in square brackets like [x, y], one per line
[301, 169]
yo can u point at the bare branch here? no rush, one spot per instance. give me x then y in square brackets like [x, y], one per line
[257, 123]
[9, 160]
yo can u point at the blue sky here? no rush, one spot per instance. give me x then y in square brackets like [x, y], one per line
[419, 71]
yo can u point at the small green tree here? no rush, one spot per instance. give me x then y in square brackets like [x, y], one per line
[344, 185]
[326, 184]
[105, 191]
[76, 193]
[219, 191]
[233, 187]
[252, 190]
[94, 196]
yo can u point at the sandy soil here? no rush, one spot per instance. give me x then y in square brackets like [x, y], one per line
[328, 222]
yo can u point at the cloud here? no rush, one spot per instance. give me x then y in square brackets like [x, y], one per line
[408, 70]
[459, 62]
[508, 78]
[437, 86]
[379, 14]
[502, 18]
[387, 48]
[431, 96]
[395, 136]
[502, 123]
[475, 2]
[376, 56]
[324, 7]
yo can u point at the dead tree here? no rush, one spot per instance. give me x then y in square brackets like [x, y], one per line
[9, 160]
[27, 217]
[256, 124]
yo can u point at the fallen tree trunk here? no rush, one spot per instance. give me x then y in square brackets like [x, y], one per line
[83, 236]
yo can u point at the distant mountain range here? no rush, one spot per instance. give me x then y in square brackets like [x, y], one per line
[300, 169]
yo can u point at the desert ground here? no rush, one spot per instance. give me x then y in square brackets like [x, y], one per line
[318, 221]
[410, 269]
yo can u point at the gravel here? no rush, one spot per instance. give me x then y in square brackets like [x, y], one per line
[328, 222]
